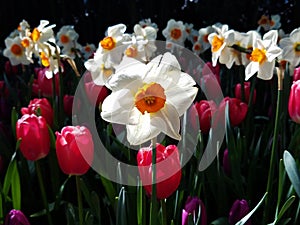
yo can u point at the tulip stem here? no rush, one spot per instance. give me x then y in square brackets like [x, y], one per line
[274, 146]
[153, 208]
[43, 192]
[79, 199]
[163, 211]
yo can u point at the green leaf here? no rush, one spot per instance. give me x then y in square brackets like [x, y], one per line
[141, 216]
[60, 192]
[285, 206]
[16, 188]
[292, 171]
[9, 175]
[246, 218]
[14, 119]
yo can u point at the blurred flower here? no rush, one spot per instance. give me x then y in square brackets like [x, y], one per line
[237, 110]
[147, 22]
[226, 162]
[74, 149]
[294, 104]
[175, 32]
[168, 169]
[192, 206]
[16, 217]
[291, 47]
[68, 104]
[88, 50]
[238, 210]
[205, 110]
[263, 56]
[149, 99]
[34, 135]
[296, 73]
[247, 89]
[95, 93]
[202, 42]
[268, 23]
[42, 106]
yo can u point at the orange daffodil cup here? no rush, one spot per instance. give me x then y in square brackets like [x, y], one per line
[149, 98]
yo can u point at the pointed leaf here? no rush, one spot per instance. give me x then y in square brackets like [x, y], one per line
[292, 171]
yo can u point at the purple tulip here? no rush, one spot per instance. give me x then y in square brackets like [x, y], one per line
[191, 208]
[16, 217]
[238, 210]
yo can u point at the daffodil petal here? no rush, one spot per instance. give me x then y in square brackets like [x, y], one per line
[251, 69]
[118, 106]
[266, 71]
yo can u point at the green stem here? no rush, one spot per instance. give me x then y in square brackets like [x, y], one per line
[154, 205]
[79, 199]
[274, 147]
[164, 211]
[43, 191]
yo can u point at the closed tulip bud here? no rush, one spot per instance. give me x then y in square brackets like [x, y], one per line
[40, 107]
[237, 110]
[205, 110]
[74, 149]
[45, 85]
[247, 88]
[16, 217]
[168, 169]
[238, 210]
[34, 134]
[296, 74]
[95, 93]
[68, 104]
[294, 102]
[191, 207]
[226, 162]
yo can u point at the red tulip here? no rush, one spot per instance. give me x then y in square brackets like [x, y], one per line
[296, 74]
[205, 110]
[41, 104]
[74, 149]
[68, 104]
[11, 70]
[45, 85]
[238, 92]
[294, 102]
[168, 169]
[226, 163]
[238, 210]
[95, 93]
[34, 134]
[237, 110]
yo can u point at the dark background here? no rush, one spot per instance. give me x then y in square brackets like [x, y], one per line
[92, 19]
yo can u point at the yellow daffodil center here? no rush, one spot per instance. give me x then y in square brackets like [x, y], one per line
[108, 43]
[175, 33]
[64, 39]
[44, 59]
[197, 47]
[25, 43]
[216, 44]
[16, 49]
[258, 55]
[297, 48]
[131, 51]
[35, 35]
[87, 48]
[150, 98]
[106, 72]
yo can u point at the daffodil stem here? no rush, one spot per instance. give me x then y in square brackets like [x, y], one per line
[154, 205]
[274, 147]
[43, 192]
[79, 200]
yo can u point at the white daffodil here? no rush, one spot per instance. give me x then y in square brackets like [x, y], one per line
[246, 42]
[88, 50]
[67, 36]
[202, 43]
[221, 42]
[16, 52]
[263, 56]
[142, 44]
[108, 54]
[175, 32]
[291, 47]
[149, 98]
